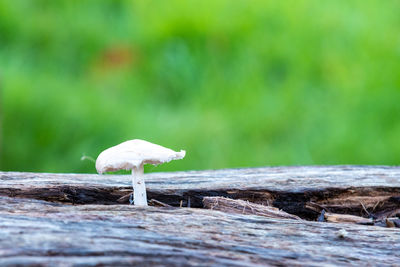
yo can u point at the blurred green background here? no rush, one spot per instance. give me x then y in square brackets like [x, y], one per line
[235, 83]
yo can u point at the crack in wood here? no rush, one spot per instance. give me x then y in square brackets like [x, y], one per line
[335, 200]
[360, 190]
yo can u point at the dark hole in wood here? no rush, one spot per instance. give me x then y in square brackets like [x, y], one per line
[291, 202]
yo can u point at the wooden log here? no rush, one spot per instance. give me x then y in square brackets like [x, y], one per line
[35, 232]
[39, 233]
[245, 207]
[355, 190]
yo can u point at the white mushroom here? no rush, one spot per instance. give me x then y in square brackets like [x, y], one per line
[132, 155]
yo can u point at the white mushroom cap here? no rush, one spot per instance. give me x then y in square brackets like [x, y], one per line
[131, 154]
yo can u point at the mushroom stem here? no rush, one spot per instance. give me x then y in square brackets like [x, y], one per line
[139, 187]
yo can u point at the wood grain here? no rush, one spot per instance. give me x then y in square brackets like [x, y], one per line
[338, 189]
[39, 233]
[78, 219]
[245, 207]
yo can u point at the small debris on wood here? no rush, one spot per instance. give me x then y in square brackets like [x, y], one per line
[321, 218]
[244, 207]
[315, 207]
[346, 218]
[125, 198]
[365, 209]
[342, 233]
[156, 203]
[392, 222]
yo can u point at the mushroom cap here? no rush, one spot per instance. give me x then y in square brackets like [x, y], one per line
[133, 153]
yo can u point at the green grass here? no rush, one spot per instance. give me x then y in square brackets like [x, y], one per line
[235, 83]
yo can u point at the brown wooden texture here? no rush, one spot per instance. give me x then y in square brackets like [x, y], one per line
[302, 190]
[39, 233]
[245, 207]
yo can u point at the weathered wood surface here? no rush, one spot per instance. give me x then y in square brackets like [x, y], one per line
[245, 207]
[304, 191]
[36, 232]
[39, 233]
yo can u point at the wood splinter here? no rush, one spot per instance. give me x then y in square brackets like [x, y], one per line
[244, 207]
[157, 203]
[346, 218]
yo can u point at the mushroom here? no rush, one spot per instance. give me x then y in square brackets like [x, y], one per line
[132, 155]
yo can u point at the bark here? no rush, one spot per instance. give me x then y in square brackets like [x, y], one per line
[42, 225]
[301, 190]
[39, 233]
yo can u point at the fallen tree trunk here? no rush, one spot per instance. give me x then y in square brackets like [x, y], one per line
[356, 190]
[39, 233]
[61, 219]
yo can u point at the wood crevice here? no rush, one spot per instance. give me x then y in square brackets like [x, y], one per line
[363, 202]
